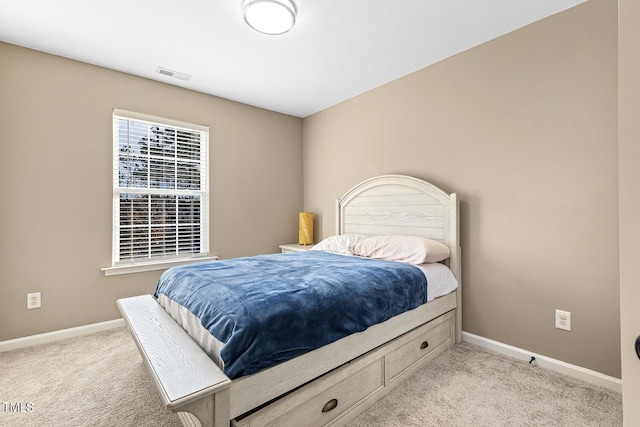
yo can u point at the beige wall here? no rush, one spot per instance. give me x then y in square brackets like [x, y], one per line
[55, 132]
[524, 128]
[629, 151]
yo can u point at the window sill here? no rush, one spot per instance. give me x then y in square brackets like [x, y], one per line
[151, 266]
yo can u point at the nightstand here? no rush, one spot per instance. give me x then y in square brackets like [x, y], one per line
[294, 247]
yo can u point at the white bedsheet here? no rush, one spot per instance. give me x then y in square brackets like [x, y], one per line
[440, 280]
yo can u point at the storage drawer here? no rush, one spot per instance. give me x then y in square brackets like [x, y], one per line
[323, 400]
[421, 342]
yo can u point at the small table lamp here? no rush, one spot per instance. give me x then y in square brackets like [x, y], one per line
[305, 228]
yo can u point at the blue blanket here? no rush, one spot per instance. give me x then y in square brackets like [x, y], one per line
[268, 309]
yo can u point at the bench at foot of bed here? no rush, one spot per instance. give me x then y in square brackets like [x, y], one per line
[187, 379]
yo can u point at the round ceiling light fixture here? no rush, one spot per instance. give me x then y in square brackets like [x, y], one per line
[270, 16]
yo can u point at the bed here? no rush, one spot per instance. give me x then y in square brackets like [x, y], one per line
[334, 383]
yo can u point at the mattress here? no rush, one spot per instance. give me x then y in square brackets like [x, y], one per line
[439, 281]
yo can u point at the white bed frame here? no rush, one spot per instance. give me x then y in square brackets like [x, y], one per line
[333, 384]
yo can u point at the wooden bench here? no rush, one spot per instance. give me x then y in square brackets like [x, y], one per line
[188, 380]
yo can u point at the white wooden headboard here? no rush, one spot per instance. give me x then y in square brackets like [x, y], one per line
[399, 204]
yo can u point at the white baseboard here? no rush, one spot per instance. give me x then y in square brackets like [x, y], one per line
[59, 335]
[568, 369]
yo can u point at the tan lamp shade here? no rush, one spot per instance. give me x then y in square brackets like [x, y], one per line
[305, 228]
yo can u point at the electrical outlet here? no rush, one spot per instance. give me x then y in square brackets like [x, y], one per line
[33, 300]
[563, 320]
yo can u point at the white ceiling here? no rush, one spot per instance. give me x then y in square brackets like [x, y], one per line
[338, 48]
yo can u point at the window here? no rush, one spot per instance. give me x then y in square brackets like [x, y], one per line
[160, 189]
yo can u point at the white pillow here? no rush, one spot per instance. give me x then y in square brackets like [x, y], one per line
[409, 249]
[339, 244]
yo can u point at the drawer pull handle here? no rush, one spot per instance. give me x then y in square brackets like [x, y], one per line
[330, 405]
[424, 345]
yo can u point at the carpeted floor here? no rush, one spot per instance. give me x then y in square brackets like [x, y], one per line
[94, 380]
[469, 386]
[100, 380]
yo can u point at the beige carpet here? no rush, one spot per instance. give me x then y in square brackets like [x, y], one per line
[95, 380]
[469, 386]
[100, 380]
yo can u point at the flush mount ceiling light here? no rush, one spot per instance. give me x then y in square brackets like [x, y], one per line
[270, 16]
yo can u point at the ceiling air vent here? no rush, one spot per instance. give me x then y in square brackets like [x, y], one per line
[171, 73]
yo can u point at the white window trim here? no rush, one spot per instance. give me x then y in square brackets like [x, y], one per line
[160, 264]
[155, 265]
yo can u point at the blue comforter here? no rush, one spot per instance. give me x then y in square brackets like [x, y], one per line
[271, 308]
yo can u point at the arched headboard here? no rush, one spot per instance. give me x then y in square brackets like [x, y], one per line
[399, 204]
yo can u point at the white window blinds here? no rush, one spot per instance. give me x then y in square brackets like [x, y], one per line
[160, 189]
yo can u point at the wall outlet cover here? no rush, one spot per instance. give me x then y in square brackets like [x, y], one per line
[563, 320]
[33, 300]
